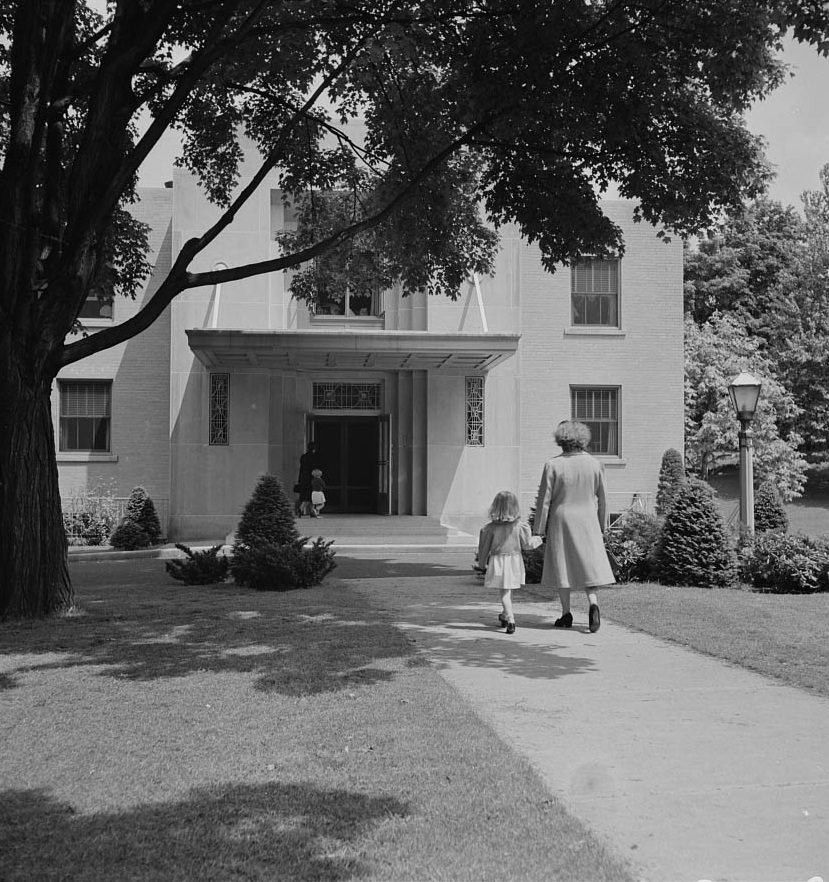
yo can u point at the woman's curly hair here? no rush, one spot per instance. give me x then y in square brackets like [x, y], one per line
[572, 435]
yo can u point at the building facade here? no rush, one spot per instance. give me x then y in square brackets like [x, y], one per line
[419, 405]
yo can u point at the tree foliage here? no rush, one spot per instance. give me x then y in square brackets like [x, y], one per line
[529, 110]
[714, 354]
[768, 268]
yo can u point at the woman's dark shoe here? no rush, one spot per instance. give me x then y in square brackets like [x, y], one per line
[510, 627]
[566, 621]
[594, 618]
[502, 620]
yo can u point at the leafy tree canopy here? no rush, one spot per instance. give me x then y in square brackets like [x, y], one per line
[714, 354]
[530, 110]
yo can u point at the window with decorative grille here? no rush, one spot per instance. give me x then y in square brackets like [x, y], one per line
[346, 396]
[219, 401]
[594, 286]
[85, 415]
[475, 411]
[598, 408]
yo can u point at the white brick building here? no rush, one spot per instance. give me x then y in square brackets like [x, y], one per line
[418, 406]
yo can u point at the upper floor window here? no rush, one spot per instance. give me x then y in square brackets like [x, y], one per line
[351, 304]
[594, 292]
[598, 408]
[96, 306]
[85, 415]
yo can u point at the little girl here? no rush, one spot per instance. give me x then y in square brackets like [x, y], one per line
[499, 550]
[317, 493]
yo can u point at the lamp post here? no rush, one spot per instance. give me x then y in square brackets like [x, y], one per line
[745, 392]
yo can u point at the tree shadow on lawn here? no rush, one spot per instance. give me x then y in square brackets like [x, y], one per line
[270, 831]
[136, 623]
[355, 567]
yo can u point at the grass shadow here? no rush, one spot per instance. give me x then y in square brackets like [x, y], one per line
[237, 832]
[136, 624]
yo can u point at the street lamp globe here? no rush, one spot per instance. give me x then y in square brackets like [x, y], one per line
[745, 393]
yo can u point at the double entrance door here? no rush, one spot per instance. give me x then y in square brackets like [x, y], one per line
[353, 453]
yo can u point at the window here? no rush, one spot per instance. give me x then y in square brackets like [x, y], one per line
[594, 287]
[356, 303]
[85, 415]
[475, 411]
[219, 422]
[96, 306]
[346, 396]
[599, 409]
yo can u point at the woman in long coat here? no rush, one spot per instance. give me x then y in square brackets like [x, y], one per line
[571, 511]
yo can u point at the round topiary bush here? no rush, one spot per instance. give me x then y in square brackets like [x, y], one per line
[140, 510]
[671, 477]
[129, 536]
[694, 548]
[769, 512]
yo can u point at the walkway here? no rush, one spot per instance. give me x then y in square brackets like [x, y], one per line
[692, 768]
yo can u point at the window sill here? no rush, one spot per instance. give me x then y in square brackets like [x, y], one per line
[348, 321]
[85, 456]
[612, 462]
[593, 331]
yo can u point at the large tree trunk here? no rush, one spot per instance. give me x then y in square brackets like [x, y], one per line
[34, 575]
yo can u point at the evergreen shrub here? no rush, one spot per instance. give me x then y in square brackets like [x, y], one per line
[199, 567]
[140, 510]
[671, 477]
[129, 536]
[268, 553]
[769, 511]
[693, 547]
[632, 540]
[534, 564]
[780, 563]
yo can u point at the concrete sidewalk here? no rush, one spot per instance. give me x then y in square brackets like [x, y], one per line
[692, 768]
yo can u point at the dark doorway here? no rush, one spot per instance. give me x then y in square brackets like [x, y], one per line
[347, 452]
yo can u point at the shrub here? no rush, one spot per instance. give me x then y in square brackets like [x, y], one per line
[128, 536]
[268, 515]
[140, 510]
[90, 515]
[268, 553]
[534, 564]
[199, 567]
[769, 512]
[780, 563]
[671, 477]
[633, 540]
[693, 547]
[267, 566]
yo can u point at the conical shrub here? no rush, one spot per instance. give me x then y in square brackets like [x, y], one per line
[671, 477]
[694, 548]
[140, 510]
[769, 512]
[268, 515]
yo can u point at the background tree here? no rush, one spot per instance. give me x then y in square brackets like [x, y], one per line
[769, 512]
[714, 354]
[551, 102]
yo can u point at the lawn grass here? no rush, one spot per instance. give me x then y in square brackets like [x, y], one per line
[779, 635]
[167, 732]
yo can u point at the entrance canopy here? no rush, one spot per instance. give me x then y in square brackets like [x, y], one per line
[354, 349]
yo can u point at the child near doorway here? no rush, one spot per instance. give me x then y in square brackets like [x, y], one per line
[317, 493]
[500, 544]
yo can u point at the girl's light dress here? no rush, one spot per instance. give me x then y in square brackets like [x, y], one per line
[499, 549]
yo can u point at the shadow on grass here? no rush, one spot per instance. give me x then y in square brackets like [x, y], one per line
[272, 831]
[353, 567]
[136, 623]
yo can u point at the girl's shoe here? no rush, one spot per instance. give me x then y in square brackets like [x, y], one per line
[502, 620]
[594, 618]
[510, 627]
[566, 621]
